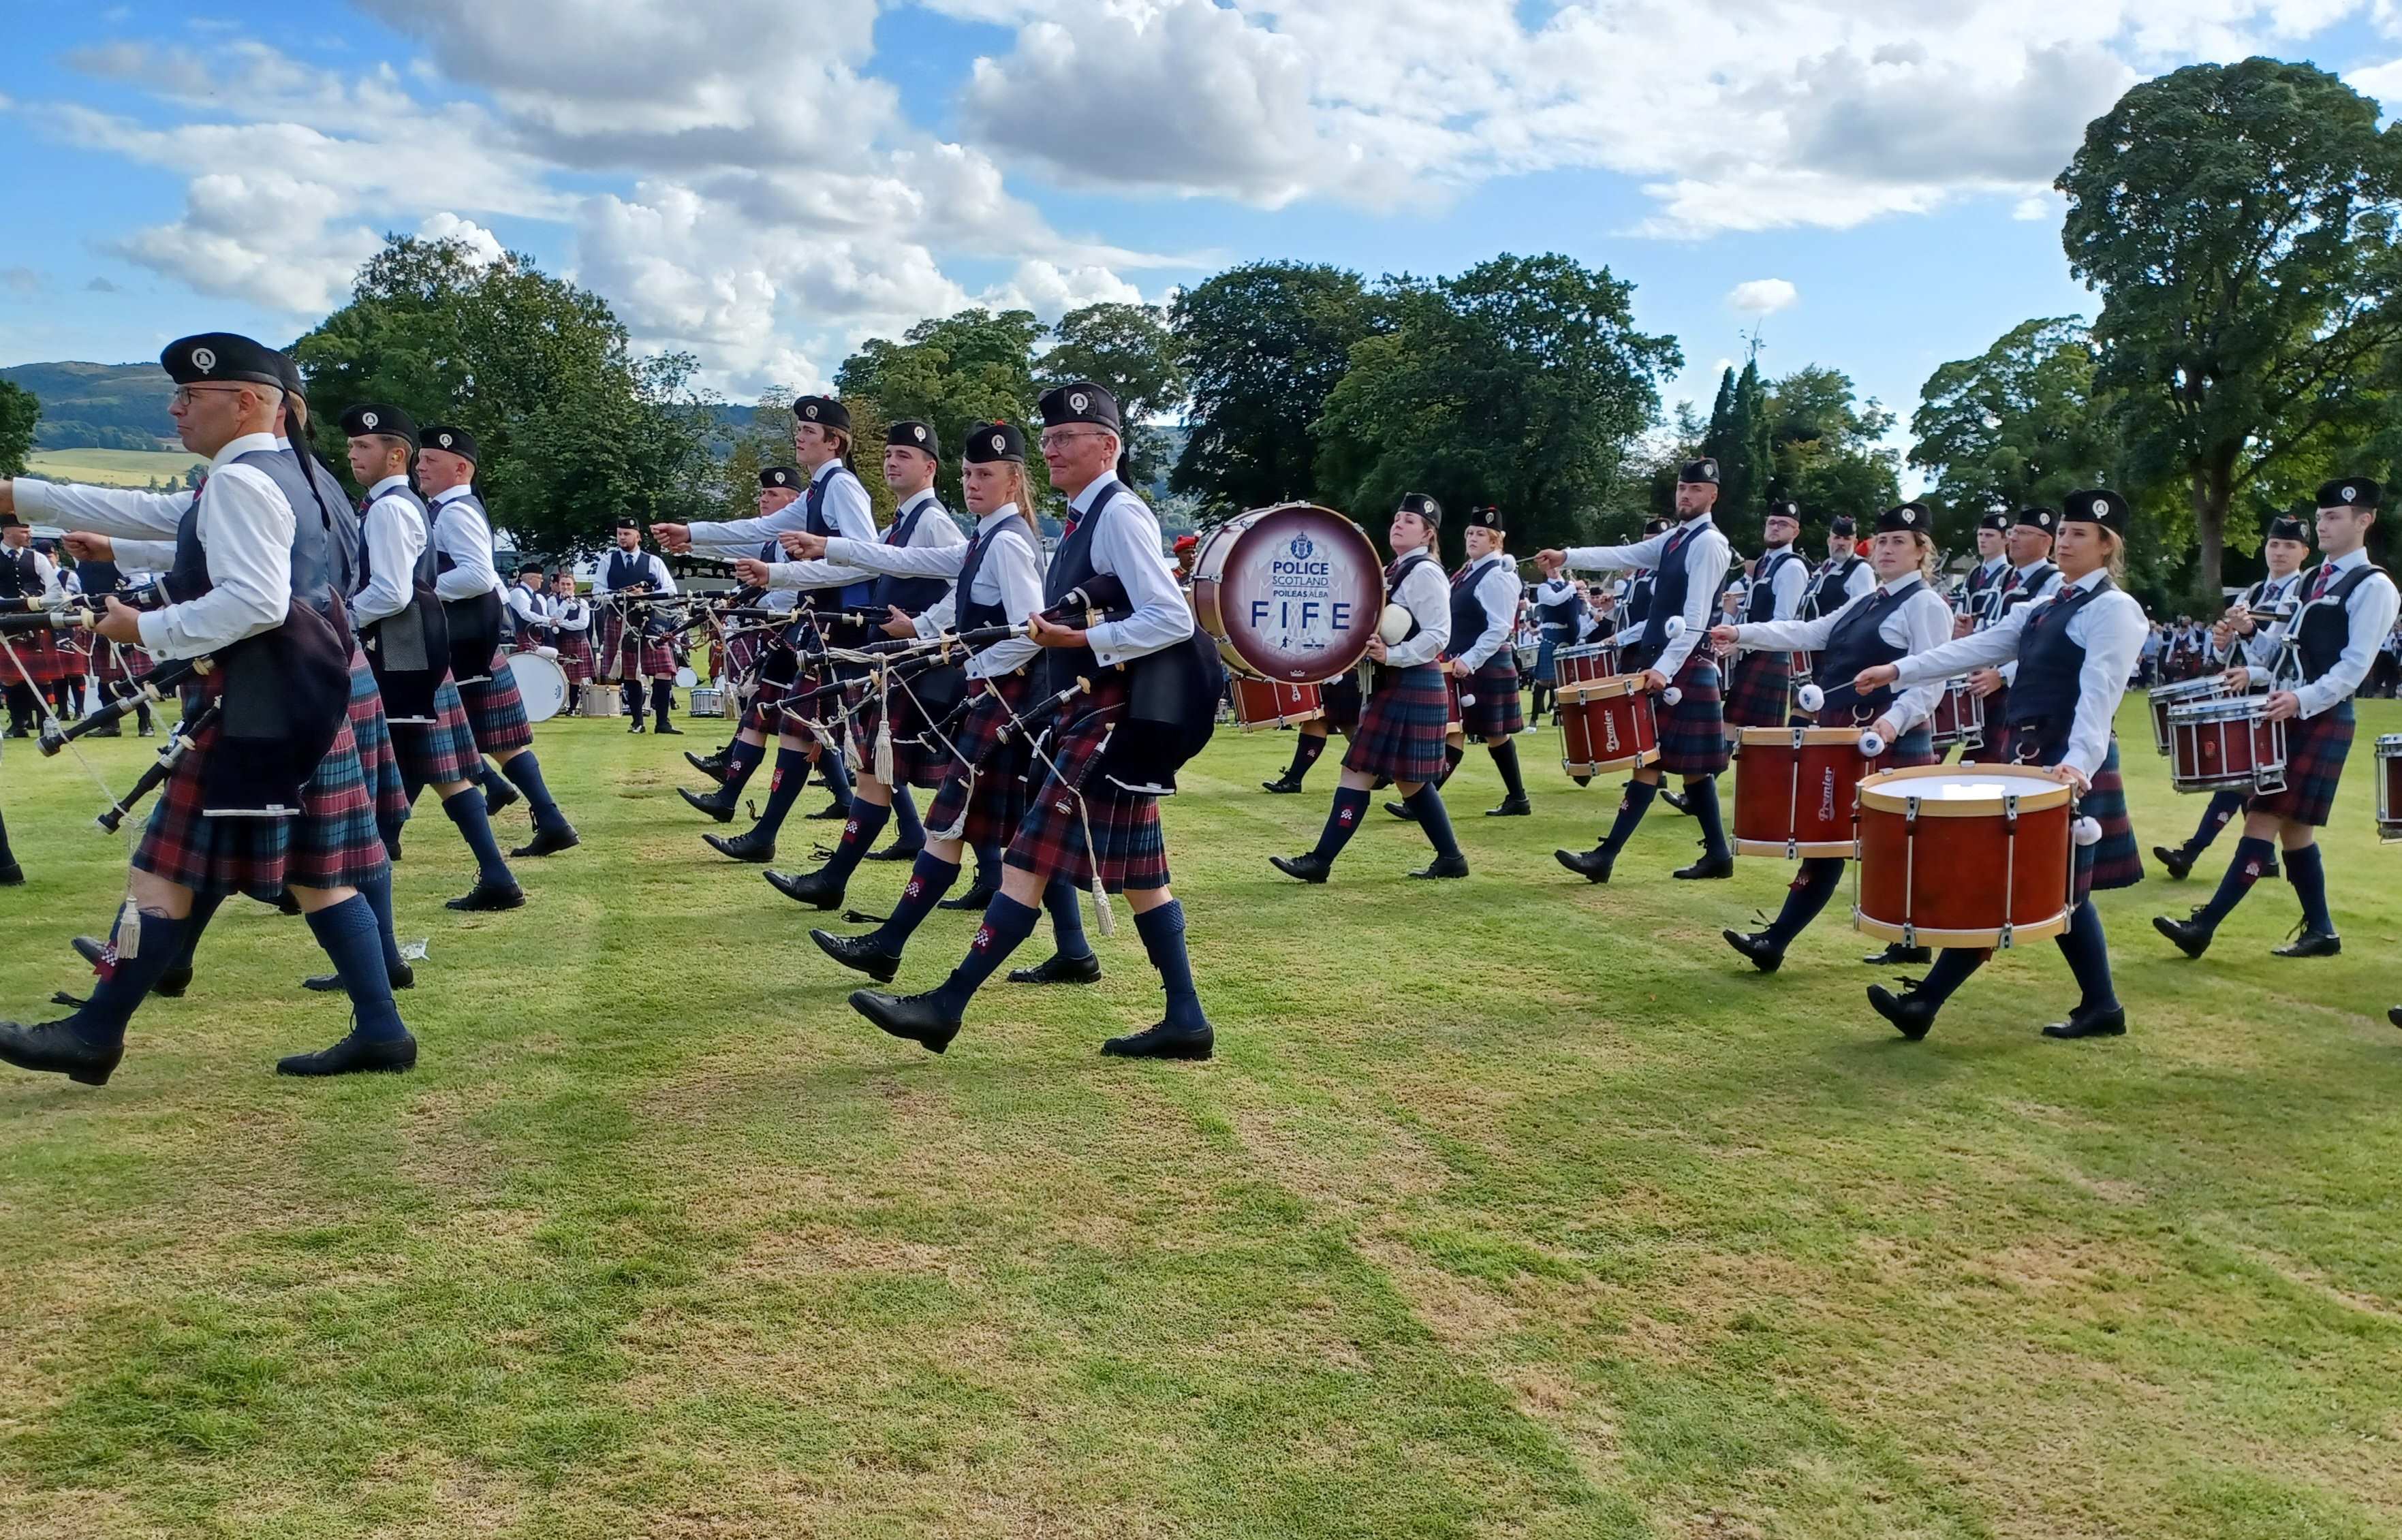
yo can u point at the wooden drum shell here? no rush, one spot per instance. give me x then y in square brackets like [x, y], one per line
[1959, 877]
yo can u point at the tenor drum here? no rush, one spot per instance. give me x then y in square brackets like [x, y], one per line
[1291, 594]
[2165, 698]
[1260, 704]
[1796, 790]
[686, 678]
[2226, 745]
[542, 684]
[1606, 725]
[2389, 787]
[1579, 665]
[600, 700]
[1964, 855]
[1959, 717]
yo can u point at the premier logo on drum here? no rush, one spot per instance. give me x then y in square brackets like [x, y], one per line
[1609, 734]
[1827, 796]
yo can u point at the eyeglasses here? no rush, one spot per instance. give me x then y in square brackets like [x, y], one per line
[1052, 438]
[183, 393]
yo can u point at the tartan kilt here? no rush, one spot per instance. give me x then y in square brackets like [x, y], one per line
[496, 714]
[1401, 727]
[1339, 699]
[31, 658]
[1996, 749]
[377, 762]
[1497, 711]
[775, 668]
[1546, 670]
[442, 752]
[331, 842]
[621, 651]
[1692, 734]
[2315, 749]
[1759, 692]
[112, 663]
[2114, 861]
[75, 653]
[993, 800]
[914, 764]
[576, 658]
[1127, 844]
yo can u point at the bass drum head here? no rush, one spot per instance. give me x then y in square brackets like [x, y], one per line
[1291, 593]
[542, 685]
[685, 679]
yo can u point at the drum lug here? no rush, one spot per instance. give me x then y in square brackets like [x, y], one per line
[2003, 940]
[1909, 933]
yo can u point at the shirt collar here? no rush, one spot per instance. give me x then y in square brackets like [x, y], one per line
[829, 468]
[464, 490]
[1898, 584]
[998, 516]
[1082, 501]
[926, 496]
[2347, 562]
[2039, 562]
[246, 444]
[387, 485]
[1785, 549]
[2086, 583]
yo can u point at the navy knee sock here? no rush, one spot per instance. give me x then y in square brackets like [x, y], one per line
[1064, 903]
[526, 771]
[122, 988]
[1434, 819]
[1341, 821]
[988, 872]
[1163, 937]
[1505, 759]
[745, 758]
[1630, 808]
[2223, 806]
[1951, 970]
[388, 829]
[2252, 859]
[929, 880]
[859, 832]
[1702, 801]
[377, 890]
[783, 789]
[1452, 754]
[910, 834]
[835, 775]
[347, 932]
[466, 808]
[1007, 923]
[2307, 873]
[2088, 958]
[1811, 888]
[204, 909]
[1305, 748]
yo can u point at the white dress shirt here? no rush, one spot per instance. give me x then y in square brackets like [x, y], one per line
[937, 547]
[2260, 649]
[140, 524]
[2369, 615]
[2110, 629]
[245, 529]
[1426, 594]
[1792, 583]
[526, 604]
[847, 511]
[1705, 557]
[394, 533]
[1923, 623]
[1010, 575]
[47, 575]
[1126, 545]
[571, 615]
[465, 536]
[1498, 589]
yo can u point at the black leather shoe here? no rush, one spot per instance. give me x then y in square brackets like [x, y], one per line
[1442, 867]
[2091, 1023]
[749, 845]
[1055, 968]
[2393, 1015]
[505, 796]
[1898, 955]
[2192, 937]
[2311, 944]
[1309, 866]
[665, 730]
[2177, 862]
[171, 984]
[856, 954]
[978, 896]
[1163, 1041]
[353, 1055]
[1764, 953]
[896, 851]
[1512, 807]
[13, 875]
[636, 726]
[1592, 865]
[486, 898]
[916, 1017]
[1283, 786]
[548, 842]
[1678, 802]
[1912, 1012]
[54, 1048]
[831, 810]
[710, 764]
[1708, 869]
[1402, 811]
[814, 889]
[403, 977]
[720, 804]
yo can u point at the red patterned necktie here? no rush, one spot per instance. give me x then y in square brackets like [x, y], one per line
[2319, 588]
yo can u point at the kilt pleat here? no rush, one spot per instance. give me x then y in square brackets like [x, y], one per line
[496, 714]
[377, 761]
[1127, 845]
[331, 842]
[1401, 726]
[994, 797]
[2315, 749]
[625, 650]
[576, 658]
[1496, 711]
[2114, 861]
[1692, 732]
[1759, 691]
[440, 752]
[36, 661]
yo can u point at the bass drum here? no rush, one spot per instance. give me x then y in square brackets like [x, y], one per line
[542, 684]
[1291, 594]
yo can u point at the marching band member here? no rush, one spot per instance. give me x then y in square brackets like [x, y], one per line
[1845, 574]
[528, 611]
[2075, 650]
[74, 658]
[262, 604]
[914, 564]
[112, 665]
[569, 618]
[1760, 684]
[2348, 606]
[834, 503]
[1401, 734]
[1082, 823]
[30, 664]
[2249, 643]
[630, 646]
[2032, 577]
[1984, 579]
[1901, 615]
[1688, 565]
[764, 665]
[1481, 665]
[1558, 609]
[460, 532]
[1338, 712]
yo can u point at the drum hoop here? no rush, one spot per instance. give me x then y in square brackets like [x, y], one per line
[2225, 708]
[2206, 687]
[2389, 745]
[1811, 738]
[1607, 686]
[1888, 792]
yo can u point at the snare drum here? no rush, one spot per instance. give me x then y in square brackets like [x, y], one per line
[2165, 698]
[706, 703]
[1796, 790]
[1258, 703]
[1580, 665]
[1964, 855]
[1606, 725]
[1959, 717]
[2389, 787]
[2226, 744]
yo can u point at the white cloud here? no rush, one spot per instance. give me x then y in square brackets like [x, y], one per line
[268, 239]
[1762, 295]
[482, 246]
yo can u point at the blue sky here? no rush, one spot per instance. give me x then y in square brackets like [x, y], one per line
[765, 184]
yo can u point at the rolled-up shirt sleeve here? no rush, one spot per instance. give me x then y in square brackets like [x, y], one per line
[246, 530]
[1428, 599]
[1126, 545]
[395, 538]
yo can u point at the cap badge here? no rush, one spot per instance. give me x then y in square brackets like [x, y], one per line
[369, 419]
[2350, 492]
[204, 359]
[918, 434]
[999, 443]
[1079, 401]
[445, 441]
[1909, 515]
[2101, 508]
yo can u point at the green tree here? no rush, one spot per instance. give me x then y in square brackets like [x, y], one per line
[20, 409]
[1520, 382]
[1130, 350]
[2015, 427]
[1263, 346]
[574, 429]
[955, 371]
[2239, 222]
[1740, 441]
[1826, 450]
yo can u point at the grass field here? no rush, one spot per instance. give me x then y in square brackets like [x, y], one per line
[1508, 1207]
[113, 467]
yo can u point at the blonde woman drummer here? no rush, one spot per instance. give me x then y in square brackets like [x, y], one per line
[2075, 648]
[1899, 614]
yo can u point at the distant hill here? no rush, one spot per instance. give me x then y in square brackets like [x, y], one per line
[97, 406]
